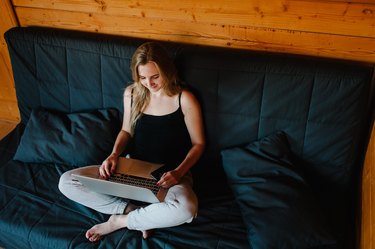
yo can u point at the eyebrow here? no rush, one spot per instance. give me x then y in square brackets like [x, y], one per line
[158, 74]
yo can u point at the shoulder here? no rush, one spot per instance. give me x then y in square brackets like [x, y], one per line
[128, 91]
[187, 97]
[188, 101]
[127, 96]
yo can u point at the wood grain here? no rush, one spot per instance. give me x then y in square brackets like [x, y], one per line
[368, 197]
[8, 103]
[342, 18]
[5, 128]
[236, 36]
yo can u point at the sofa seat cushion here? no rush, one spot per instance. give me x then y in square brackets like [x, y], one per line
[34, 214]
[276, 203]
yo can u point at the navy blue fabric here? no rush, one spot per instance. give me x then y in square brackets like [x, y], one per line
[9, 144]
[278, 207]
[76, 139]
[34, 214]
[322, 105]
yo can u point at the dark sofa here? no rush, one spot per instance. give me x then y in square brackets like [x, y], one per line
[286, 140]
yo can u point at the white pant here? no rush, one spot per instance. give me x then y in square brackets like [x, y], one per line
[180, 204]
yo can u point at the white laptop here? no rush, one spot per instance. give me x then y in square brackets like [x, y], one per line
[131, 180]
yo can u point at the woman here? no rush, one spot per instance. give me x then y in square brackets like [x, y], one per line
[162, 123]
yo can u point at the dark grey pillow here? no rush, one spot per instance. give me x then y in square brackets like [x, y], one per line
[276, 203]
[75, 139]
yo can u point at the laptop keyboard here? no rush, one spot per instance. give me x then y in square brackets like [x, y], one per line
[135, 181]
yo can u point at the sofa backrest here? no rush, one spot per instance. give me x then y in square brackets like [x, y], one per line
[323, 106]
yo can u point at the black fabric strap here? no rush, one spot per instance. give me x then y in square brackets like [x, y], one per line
[131, 99]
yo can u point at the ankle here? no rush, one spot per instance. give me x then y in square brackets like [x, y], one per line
[118, 221]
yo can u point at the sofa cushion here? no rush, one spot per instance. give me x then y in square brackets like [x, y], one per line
[75, 139]
[276, 203]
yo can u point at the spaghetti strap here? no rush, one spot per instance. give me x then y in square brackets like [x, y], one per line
[179, 99]
[131, 99]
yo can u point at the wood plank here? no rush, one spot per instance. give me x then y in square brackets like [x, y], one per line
[5, 128]
[333, 17]
[8, 102]
[7, 21]
[7, 90]
[254, 38]
[368, 199]
[351, 1]
[9, 110]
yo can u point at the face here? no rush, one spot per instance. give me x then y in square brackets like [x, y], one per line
[150, 77]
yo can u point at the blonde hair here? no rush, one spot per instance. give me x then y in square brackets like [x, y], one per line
[151, 52]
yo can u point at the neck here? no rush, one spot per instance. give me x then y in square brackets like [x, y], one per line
[157, 95]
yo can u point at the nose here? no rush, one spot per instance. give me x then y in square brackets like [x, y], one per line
[150, 81]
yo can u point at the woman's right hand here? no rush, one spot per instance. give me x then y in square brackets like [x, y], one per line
[108, 166]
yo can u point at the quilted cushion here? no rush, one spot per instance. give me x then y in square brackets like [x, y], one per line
[75, 139]
[276, 203]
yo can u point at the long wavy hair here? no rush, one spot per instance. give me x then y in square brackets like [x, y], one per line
[151, 52]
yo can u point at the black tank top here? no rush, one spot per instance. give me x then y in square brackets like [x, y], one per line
[161, 139]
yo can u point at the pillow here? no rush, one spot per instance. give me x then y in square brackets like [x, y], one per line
[276, 204]
[75, 139]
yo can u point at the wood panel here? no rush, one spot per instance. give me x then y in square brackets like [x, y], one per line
[5, 128]
[318, 28]
[368, 197]
[8, 103]
[308, 16]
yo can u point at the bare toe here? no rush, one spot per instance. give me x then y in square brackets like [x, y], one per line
[95, 238]
[114, 223]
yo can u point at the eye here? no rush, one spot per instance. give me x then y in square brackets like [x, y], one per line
[155, 77]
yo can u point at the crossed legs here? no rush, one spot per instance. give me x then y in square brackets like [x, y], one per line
[180, 206]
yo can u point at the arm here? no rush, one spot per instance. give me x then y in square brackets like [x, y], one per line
[194, 123]
[109, 165]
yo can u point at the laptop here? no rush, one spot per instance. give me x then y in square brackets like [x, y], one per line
[133, 179]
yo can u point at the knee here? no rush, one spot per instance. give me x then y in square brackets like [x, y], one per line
[190, 210]
[64, 181]
[187, 211]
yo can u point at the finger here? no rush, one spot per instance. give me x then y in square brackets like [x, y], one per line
[167, 184]
[113, 168]
[102, 172]
[107, 170]
[164, 185]
[162, 182]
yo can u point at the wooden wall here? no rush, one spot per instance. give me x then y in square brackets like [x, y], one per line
[367, 233]
[342, 29]
[8, 103]
[339, 29]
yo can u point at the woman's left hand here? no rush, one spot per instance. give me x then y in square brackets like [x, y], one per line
[169, 179]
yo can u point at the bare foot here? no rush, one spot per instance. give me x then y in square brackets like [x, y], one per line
[114, 223]
[147, 233]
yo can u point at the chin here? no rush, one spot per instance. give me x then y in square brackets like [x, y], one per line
[154, 90]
